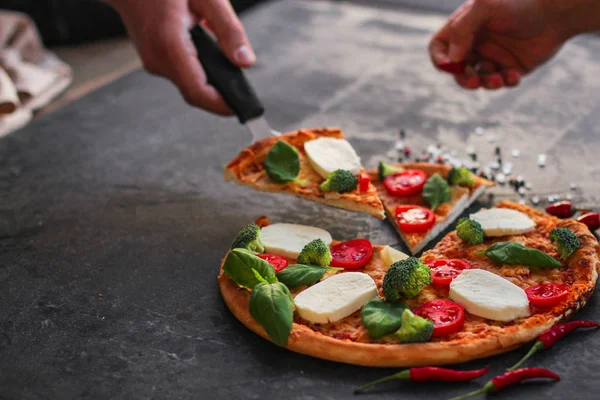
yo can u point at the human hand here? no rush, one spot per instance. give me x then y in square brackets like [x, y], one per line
[506, 39]
[160, 31]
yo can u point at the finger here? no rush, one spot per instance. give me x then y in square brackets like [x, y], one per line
[470, 82]
[493, 81]
[500, 55]
[438, 52]
[227, 28]
[465, 27]
[485, 67]
[512, 77]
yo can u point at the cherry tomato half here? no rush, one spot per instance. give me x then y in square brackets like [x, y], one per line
[447, 316]
[547, 294]
[444, 270]
[405, 183]
[277, 262]
[363, 182]
[352, 254]
[414, 218]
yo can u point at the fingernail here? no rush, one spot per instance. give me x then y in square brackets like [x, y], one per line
[244, 55]
[453, 51]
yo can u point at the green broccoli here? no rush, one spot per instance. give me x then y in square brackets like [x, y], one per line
[386, 169]
[315, 253]
[566, 241]
[460, 176]
[249, 238]
[340, 181]
[469, 231]
[405, 279]
[414, 329]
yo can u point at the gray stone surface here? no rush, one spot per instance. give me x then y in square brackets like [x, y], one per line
[114, 214]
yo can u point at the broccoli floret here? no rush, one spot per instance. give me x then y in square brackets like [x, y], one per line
[315, 253]
[385, 169]
[566, 241]
[340, 181]
[405, 279]
[249, 238]
[469, 231]
[460, 176]
[414, 329]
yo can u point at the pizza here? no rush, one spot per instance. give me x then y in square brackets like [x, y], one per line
[315, 164]
[420, 205]
[504, 276]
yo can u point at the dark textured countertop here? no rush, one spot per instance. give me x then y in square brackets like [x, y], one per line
[114, 214]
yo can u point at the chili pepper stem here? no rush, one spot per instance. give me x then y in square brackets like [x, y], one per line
[534, 349]
[400, 375]
[489, 387]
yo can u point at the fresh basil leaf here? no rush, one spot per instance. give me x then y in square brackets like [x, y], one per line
[436, 191]
[299, 274]
[381, 317]
[245, 268]
[512, 253]
[282, 162]
[272, 306]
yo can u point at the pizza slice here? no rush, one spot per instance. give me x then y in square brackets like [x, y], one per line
[423, 199]
[314, 164]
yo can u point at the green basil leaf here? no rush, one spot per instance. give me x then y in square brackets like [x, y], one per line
[436, 191]
[245, 268]
[282, 162]
[299, 274]
[272, 306]
[381, 317]
[512, 253]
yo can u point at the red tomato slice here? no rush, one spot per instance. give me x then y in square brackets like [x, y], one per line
[547, 294]
[444, 270]
[447, 316]
[363, 182]
[405, 183]
[277, 262]
[352, 254]
[414, 218]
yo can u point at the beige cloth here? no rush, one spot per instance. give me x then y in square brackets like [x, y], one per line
[30, 75]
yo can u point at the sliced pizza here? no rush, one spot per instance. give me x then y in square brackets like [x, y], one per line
[423, 199]
[315, 164]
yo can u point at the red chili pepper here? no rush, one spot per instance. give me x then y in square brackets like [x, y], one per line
[510, 378]
[363, 181]
[549, 337]
[423, 374]
[591, 220]
[562, 209]
[455, 68]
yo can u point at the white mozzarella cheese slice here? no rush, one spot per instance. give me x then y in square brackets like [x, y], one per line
[389, 255]
[503, 222]
[336, 297]
[488, 295]
[328, 154]
[287, 240]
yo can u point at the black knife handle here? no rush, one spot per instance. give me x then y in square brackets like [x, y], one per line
[226, 77]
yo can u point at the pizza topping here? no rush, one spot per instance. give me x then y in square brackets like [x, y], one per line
[315, 253]
[282, 162]
[384, 170]
[547, 294]
[436, 191]
[389, 255]
[510, 378]
[562, 209]
[277, 262]
[340, 181]
[302, 275]
[352, 254]
[405, 279]
[405, 183]
[488, 295]
[513, 253]
[460, 177]
[329, 154]
[288, 240]
[247, 270]
[249, 238]
[591, 220]
[335, 298]
[414, 329]
[423, 374]
[454, 68]
[272, 306]
[381, 317]
[549, 337]
[364, 180]
[447, 316]
[443, 271]
[413, 219]
[469, 231]
[566, 242]
[503, 222]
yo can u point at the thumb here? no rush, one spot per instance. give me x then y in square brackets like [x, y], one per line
[466, 25]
